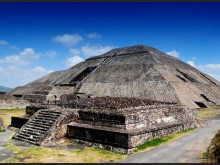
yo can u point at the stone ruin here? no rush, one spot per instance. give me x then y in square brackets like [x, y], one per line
[114, 123]
[117, 100]
[121, 124]
[11, 102]
[2, 127]
[137, 71]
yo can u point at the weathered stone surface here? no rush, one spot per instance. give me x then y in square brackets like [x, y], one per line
[128, 122]
[10, 102]
[2, 127]
[137, 71]
[31, 109]
[214, 149]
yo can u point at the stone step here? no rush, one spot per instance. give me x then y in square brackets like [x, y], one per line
[25, 140]
[37, 128]
[50, 112]
[42, 123]
[30, 134]
[49, 115]
[43, 118]
[40, 126]
[22, 137]
[33, 130]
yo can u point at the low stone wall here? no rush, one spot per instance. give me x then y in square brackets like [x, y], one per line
[138, 139]
[2, 127]
[214, 149]
[10, 102]
[35, 98]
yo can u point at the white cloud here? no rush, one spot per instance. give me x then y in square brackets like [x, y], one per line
[51, 53]
[94, 35]
[29, 53]
[13, 59]
[174, 53]
[95, 49]
[2, 70]
[14, 47]
[192, 63]
[16, 75]
[194, 58]
[73, 61]
[68, 39]
[3, 43]
[210, 67]
[74, 51]
[22, 58]
[216, 76]
[39, 69]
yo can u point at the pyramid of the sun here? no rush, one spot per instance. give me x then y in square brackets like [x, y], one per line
[137, 71]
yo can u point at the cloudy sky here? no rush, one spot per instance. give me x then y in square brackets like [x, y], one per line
[39, 38]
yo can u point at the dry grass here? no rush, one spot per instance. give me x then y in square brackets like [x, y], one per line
[210, 108]
[57, 155]
[206, 113]
[6, 114]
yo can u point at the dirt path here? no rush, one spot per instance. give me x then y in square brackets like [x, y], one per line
[186, 149]
[4, 153]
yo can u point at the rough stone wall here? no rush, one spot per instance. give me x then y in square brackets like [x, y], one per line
[12, 103]
[59, 130]
[214, 149]
[30, 110]
[58, 91]
[153, 90]
[157, 115]
[35, 98]
[192, 93]
[2, 127]
[129, 121]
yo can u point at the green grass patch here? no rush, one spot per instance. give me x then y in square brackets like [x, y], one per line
[38, 154]
[2, 130]
[206, 114]
[61, 155]
[6, 114]
[210, 108]
[159, 141]
[205, 155]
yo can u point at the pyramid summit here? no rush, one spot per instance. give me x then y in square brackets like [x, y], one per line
[137, 71]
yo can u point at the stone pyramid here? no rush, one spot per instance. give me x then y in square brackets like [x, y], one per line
[136, 71]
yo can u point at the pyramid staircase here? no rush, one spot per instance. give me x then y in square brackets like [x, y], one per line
[38, 127]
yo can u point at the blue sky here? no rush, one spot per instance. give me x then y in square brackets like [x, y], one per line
[38, 38]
